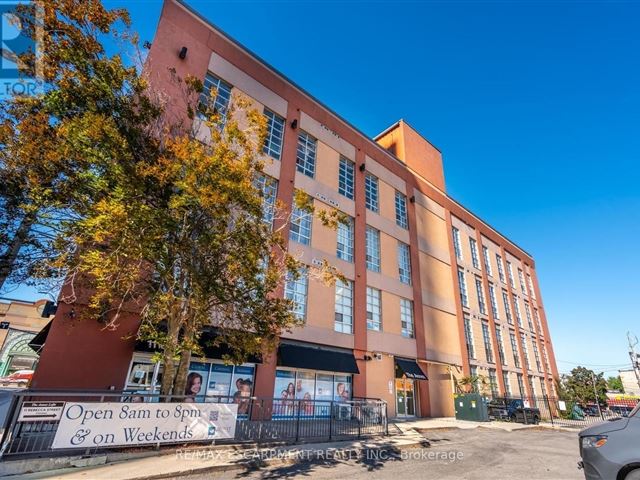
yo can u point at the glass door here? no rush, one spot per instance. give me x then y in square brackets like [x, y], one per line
[405, 398]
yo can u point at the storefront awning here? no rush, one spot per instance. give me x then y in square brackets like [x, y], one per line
[410, 368]
[37, 342]
[314, 358]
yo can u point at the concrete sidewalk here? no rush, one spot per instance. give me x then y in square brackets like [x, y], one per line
[189, 461]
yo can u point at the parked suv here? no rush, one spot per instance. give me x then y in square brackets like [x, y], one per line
[609, 450]
[514, 410]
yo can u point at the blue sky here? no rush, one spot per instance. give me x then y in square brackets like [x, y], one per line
[535, 106]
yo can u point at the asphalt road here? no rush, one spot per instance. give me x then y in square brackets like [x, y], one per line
[452, 454]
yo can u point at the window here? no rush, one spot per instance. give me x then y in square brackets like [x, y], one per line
[373, 249]
[525, 351]
[346, 178]
[406, 317]
[544, 356]
[514, 349]
[401, 210]
[536, 354]
[486, 338]
[516, 307]
[474, 253]
[456, 243]
[268, 188]
[275, 134]
[520, 384]
[404, 263]
[344, 306]
[371, 192]
[482, 305]
[500, 344]
[543, 388]
[527, 312]
[533, 386]
[493, 382]
[494, 302]
[344, 248]
[374, 311]
[507, 307]
[295, 289]
[500, 268]
[487, 262]
[306, 154]
[507, 383]
[215, 95]
[468, 336]
[510, 272]
[300, 229]
[538, 323]
[533, 292]
[464, 297]
[523, 287]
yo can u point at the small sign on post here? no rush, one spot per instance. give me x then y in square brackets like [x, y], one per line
[40, 411]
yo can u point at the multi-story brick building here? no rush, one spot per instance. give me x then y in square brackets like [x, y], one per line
[433, 292]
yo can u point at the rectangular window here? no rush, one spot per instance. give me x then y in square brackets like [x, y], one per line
[468, 336]
[373, 249]
[510, 272]
[500, 343]
[516, 307]
[457, 246]
[525, 351]
[520, 384]
[374, 310]
[533, 292]
[533, 386]
[344, 248]
[406, 317]
[300, 229]
[268, 188]
[404, 263]
[401, 210]
[482, 304]
[487, 261]
[523, 287]
[474, 253]
[507, 383]
[486, 338]
[462, 283]
[514, 349]
[538, 323]
[295, 289]
[275, 134]
[346, 180]
[536, 354]
[507, 307]
[500, 268]
[306, 154]
[216, 95]
[371, 192]
[344, 306]
[494, 302]
[545, 357]
[493, 382]
[527, 312]
[543, 388]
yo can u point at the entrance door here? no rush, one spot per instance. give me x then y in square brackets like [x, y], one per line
[405, 398]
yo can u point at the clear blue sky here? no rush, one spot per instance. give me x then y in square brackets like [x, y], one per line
[535, 106]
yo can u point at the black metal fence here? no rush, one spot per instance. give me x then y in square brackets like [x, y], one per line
[259, 420]
[556, 411]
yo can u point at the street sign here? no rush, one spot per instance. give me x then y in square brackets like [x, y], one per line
[40, 411]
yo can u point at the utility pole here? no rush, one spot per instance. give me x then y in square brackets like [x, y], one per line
[635, 362]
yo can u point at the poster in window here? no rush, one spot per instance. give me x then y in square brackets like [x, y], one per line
[197, 377]
[342, 392]
[324, 394]
[220, 379]
[305, 391]
[241, 387]
[285, 391]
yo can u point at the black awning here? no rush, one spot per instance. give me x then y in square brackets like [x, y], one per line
[37, 342]
[410, 368]
[314, 358]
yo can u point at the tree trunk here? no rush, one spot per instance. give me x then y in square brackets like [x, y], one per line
[8, 258]
[169, 353]
[180, 381]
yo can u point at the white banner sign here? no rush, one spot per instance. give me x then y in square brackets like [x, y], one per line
[112, 424]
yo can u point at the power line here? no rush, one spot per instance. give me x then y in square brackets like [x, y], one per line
[596, 364]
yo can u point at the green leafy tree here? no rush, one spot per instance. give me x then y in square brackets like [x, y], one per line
[578, 386]
[615, 383]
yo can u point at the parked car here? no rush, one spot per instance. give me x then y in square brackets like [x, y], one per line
[20, 378]
[591, 411]
[514, 410]
[609, 450]
[621, 410]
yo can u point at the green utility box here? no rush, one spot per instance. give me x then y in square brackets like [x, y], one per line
[470, 406]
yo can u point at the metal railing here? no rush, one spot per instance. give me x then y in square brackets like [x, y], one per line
[259, 420]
